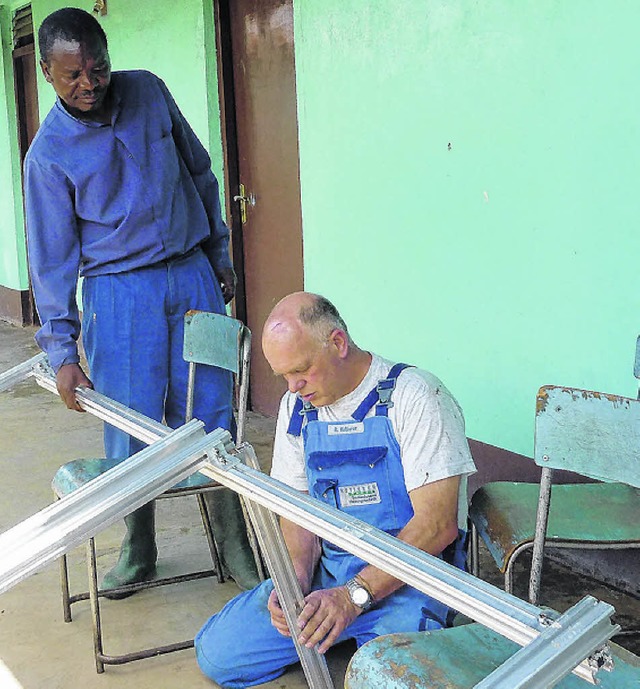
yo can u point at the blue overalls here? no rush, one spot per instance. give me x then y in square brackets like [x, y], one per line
[354, 466]
[133, 332]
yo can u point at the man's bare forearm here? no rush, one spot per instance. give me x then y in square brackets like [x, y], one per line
[304, 548]
[381, 584]
[432, 528]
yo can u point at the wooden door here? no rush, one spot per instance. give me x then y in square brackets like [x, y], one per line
[26, 92]
[26, 98]
[264, 112]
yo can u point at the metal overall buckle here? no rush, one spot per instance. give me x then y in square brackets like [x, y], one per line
[385, 389]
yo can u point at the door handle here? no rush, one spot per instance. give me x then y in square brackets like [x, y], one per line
[243, 199]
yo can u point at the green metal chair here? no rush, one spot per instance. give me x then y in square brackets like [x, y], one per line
[458, 658]
[212, 340]
[593, 434]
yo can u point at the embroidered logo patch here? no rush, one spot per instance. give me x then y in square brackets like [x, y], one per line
[345, 428]
[362, 494]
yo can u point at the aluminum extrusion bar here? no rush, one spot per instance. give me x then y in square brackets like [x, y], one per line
[284, 578]
[56, 529]
[503, 613]
[132, 422]
[20, 372]
[557, 650]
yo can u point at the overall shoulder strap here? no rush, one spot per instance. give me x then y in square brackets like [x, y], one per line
[380, 395]
[301, 410]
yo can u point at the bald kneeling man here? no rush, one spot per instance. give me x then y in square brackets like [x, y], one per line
[399, 461]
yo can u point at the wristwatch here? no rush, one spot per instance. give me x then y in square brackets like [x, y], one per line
[359, 594]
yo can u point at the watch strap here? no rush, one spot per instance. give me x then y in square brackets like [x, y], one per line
[356, 584]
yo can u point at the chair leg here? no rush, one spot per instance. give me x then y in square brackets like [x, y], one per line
[474, 556]
[542, 519]
[64, 582]
[508, 576]
[95, 605]
[64, 588]
[211, 539]
[510, 565]
[535, 578]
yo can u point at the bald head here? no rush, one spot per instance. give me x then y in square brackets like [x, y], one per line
[305, 340]
[284, 319]
[303, 312]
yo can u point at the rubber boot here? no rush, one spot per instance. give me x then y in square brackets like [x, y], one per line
[138, 552]
[229, 529]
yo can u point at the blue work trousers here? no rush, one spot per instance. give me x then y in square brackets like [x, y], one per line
[239, 647]
[133, 331]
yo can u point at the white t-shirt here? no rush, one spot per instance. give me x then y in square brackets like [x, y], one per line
[426, 419]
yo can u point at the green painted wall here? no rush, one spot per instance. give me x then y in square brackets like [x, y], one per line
[147, 34]
[13, 260]
[469, 191]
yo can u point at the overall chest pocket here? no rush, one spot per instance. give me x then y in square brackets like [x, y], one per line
[349, 459]
[357, 482]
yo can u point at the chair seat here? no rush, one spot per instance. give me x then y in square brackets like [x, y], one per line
[76, 473]
[504, 514]
[457, 658]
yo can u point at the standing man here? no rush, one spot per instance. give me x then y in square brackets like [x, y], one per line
[381, 442]
[119, 190]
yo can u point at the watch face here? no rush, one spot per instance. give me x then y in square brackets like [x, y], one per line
[360, 596]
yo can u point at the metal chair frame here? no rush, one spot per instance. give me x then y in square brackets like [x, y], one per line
[594, 434]
[214, 340]
[548, 460]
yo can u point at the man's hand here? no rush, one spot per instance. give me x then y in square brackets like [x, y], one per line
[227, 279]
[326, 614]
[304, 548]
[278, 619]
[68, 378]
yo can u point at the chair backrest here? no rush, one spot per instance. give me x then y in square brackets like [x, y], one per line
[215, 339]
[591, 433]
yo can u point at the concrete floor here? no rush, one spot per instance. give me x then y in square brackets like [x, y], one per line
[37, 435]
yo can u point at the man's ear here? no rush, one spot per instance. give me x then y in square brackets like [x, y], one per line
[340, 341]
[45, 70]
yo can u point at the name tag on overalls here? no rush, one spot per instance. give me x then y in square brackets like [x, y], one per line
[345, 428]
[363, 494]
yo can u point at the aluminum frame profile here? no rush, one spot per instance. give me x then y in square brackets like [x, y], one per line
[505, 614]
[69, 522]
[285, 581]
[20, 372]
[118, 415]
[549, 658]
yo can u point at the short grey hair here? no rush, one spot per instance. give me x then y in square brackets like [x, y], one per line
[322, 318]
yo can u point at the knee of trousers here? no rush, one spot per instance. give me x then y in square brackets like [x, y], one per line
[233, 670]
[224, 676]
[214, 659]
[238, 646]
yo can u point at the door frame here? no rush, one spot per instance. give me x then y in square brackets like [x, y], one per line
[226, 95]
[24, 94]
[258, 290]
